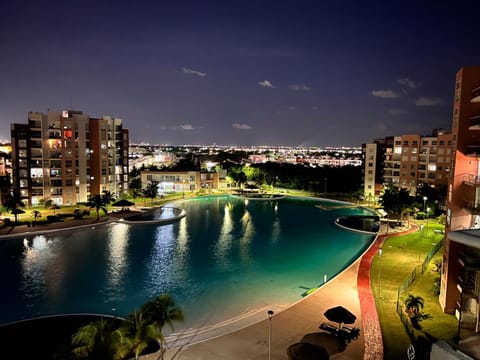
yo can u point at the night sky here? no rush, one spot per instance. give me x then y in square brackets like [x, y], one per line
[294, 73]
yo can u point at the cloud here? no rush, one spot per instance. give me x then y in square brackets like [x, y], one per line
[266, 83]
[385, 94]
[397, 111]
[241, 126]
[193, 72]
[424, 101]
[187, 127]
[291, 107]
[407, 82]
[302, 87]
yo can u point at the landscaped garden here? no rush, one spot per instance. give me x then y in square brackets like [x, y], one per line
[401, 255]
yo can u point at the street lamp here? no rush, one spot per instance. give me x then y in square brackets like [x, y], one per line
[426, 232]
[270, 314]
[424, 203]
[379, 267]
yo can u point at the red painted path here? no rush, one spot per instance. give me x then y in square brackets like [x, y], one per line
[372, 331]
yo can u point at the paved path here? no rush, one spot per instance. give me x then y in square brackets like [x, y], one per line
[248, 338]
[299, 323]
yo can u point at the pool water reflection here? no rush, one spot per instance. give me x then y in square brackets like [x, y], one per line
[226, 257]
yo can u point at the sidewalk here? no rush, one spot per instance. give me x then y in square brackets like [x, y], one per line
[300, 322]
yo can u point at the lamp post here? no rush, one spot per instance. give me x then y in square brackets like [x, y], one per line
[379, 268]
[270, 314]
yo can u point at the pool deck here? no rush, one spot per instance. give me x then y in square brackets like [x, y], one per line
[248, 338]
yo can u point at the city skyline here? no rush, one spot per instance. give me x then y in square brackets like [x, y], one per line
[279, 73]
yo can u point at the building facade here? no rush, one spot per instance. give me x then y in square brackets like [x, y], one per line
[373, 157]
[407, 161]
[460, 279]
[67, 156]
[180, 181]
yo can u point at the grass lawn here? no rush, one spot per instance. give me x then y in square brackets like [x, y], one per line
[400, 256]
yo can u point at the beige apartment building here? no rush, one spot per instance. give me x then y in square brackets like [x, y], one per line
[180, 181]
[67, 156]
[407, 161]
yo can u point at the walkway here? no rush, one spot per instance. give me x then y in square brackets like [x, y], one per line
[299, 323]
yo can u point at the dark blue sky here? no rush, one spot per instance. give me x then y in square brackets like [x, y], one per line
[320, 73]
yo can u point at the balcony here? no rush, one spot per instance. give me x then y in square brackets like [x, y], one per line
[474, 123]
[473, 150]
[471, 180]
[475, 95]
[473, 207]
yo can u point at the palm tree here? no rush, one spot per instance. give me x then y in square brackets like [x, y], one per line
[116, 339]
[96, 340]
[414, 304]
[152, 190]
[98, 202]
[13, 202]
[160, 311]
[135, 335]
[36, 214]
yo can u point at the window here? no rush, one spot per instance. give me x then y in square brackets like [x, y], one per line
[405, 143]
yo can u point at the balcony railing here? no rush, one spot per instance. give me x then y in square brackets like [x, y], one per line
[473, 207]
[474, 123]
[471, 180]
[475, 95]
[473, 150]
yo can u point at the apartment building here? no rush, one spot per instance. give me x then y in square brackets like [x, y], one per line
[180, 181]
[407, 161]
[67, 156]
[460, 279]
[373, 158]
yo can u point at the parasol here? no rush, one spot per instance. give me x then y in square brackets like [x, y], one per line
[340, 315]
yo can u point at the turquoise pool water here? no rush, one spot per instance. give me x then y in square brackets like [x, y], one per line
[226, 257]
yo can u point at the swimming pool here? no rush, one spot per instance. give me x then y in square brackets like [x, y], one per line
[226, 257]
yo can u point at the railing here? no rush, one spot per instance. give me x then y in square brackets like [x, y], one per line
[472, 206]
[417, 271]
[470, 179]
[475, 95]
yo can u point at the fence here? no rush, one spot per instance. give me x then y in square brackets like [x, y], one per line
[417, 271]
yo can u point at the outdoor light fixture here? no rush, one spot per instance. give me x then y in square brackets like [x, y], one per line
[270, 314]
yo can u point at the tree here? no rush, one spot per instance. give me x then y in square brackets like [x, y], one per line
[135, 335]
[96, 340]
[160, 311]
[395, 201]
[13, 202]
[116, 339]
[152, 190]
[36, 215]
[98, 202]
[414, 304]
